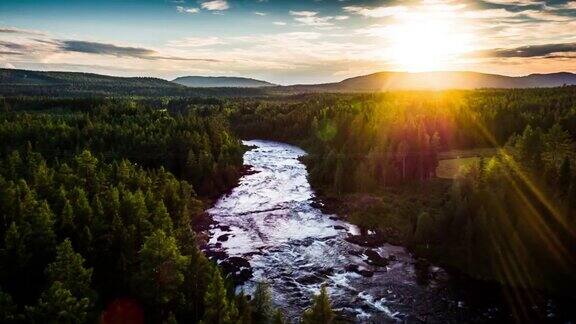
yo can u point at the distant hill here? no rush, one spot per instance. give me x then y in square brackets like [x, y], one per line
[73, 84]
[221, 82]
[383, 81]
[25, 77]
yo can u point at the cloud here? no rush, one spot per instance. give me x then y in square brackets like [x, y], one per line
[311, 18]
[196, 42]
[105, 49]
[215, 5]
[120, 51]
[303, 13]
[258, 13]
[15, 48]
[279, 23]
[376, 12]
[188, 10]
[544, 50]
[10, 53]
[12, 30]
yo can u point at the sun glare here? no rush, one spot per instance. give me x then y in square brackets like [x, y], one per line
[426, 41]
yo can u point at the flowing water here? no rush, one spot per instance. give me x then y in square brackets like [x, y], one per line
[268, 227]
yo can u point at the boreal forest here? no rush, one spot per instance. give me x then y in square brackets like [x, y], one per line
[104, 198]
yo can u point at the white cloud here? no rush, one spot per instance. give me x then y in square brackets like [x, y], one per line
[341, 17]
[279, 23]
[189, 10]
[377, 12]
[215, 5]
[258, 13]
[303, 13]
[311, 18]
[516, 2]
[196, 42]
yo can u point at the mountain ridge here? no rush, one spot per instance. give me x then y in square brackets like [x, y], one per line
[14, 81]
[440, 80]
[221, 81]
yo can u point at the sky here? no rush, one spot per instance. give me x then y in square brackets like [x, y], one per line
[287, 41]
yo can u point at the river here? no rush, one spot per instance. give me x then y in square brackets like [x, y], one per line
[267, 228]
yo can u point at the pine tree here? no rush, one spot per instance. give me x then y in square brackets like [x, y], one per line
[8, 310]
[58, 305]
[68, 268]
[218, 308]
[66, 226]
[160, 218]
[244, 309]
[82, 208]
[161, 268]
[262, 304]
[42, 239]
[320, 312]
[279, 317]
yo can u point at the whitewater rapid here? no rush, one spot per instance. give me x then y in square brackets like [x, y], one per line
[269, 228]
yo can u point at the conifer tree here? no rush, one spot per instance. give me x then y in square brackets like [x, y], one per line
[218, 308]
[68, 268]
[162, 268]
[320, 312]
[262, 304]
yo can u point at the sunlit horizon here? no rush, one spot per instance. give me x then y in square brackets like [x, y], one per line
[288, 42]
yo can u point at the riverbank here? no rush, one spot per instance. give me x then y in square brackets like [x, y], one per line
[390, 217]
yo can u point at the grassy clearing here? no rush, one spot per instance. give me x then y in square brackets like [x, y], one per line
[459, 154]
[448, 169]
[451, 162]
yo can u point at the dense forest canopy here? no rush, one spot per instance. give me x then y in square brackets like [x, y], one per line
[100, 196]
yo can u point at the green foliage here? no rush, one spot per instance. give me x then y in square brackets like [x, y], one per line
[219, 310]
[424, 228]
[262, 308]
[320, 312]
[97, 175]
[8, 310]
[162, 268]
[68, 269]
[279, 317]
[58, 305]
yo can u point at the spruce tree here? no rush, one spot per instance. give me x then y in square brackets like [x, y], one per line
[68, 268]
[320, 312]
[58, 305]
[162, 269]
[218, 308]
[262, 304]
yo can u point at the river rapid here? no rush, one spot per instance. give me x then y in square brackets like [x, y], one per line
[268, 229]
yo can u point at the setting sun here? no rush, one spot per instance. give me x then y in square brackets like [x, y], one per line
[426, 41]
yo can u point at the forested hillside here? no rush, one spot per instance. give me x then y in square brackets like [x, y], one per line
[73, 84]
[376, 155]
